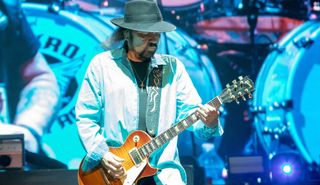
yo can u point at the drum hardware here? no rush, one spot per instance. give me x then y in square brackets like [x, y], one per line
[279, 133]
[276, 47]
[304, 42]
[286, 105]
[55, 7]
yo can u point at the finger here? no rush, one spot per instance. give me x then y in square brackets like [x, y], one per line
[201, 112]
[118, 158]
[110, 163]
[202, 117]
[117, 173]
[210, 108]
[203, 108]
[114, 163]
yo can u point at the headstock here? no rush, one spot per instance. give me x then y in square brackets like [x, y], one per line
[238, 89]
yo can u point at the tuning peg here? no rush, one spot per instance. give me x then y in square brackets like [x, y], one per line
[235, 86]
[235, 99]
[248, 92]
[234, 81]
[242, 96]
[228, 86]
[240, 78]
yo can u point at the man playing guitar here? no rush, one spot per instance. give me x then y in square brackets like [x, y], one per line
[131, 88]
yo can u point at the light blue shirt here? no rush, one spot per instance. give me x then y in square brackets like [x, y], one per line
[107, 109]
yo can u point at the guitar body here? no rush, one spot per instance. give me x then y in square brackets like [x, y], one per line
[99, 176]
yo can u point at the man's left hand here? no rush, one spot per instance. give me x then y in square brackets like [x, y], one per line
[209, 115]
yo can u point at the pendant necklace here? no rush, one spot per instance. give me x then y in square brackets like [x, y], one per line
[142, 85]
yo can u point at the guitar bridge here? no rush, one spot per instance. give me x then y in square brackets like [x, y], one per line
[135, 156]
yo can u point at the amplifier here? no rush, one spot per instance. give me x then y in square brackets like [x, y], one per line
[11, 151]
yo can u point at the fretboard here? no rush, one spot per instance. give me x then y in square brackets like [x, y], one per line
[175, 130]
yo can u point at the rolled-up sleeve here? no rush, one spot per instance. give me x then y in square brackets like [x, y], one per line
[187, 101]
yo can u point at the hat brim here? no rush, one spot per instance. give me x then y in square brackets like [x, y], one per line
[161, 26]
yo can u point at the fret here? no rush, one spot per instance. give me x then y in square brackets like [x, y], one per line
[185, 123]
[160, 139]
[215, 102]
[176, 129]
[152, 144]
[163, 138]
[148, 148]
[157, 141]
[180, 126]
[170, 133]
[190, 119]
[194, 117]
[144, 151]
[173, 131]
[166, 135]
[141, 153]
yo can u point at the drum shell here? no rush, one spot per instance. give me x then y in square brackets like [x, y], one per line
[285, 100]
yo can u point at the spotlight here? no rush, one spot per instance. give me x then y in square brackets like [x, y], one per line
[287, 168]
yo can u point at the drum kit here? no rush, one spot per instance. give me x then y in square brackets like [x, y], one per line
[285, 104]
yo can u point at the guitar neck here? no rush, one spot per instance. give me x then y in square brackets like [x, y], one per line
[175, 130]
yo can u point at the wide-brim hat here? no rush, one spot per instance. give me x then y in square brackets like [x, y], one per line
[143, 15]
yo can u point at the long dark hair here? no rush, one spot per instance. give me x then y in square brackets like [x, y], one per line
[116, 38]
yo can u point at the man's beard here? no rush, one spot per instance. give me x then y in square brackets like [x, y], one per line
[147, 54]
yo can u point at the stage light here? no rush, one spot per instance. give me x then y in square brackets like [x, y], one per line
[287, 168]
[105, 3]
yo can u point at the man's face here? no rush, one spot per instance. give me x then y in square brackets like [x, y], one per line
[144, 44]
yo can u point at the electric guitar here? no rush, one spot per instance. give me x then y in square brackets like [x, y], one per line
[139, 145]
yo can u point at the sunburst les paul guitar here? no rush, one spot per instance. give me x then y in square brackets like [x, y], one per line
[139, 145]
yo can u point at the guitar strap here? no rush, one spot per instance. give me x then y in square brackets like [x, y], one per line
[153, 96]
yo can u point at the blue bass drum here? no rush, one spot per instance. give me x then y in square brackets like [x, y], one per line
[286, 97]
[70, 38]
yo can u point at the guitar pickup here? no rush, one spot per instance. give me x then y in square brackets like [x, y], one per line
[135, 156]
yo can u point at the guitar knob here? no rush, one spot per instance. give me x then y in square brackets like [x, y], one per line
[136, 138]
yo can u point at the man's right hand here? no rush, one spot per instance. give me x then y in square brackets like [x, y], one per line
[113, 165]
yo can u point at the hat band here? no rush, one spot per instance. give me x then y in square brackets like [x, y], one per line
[142, 18]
